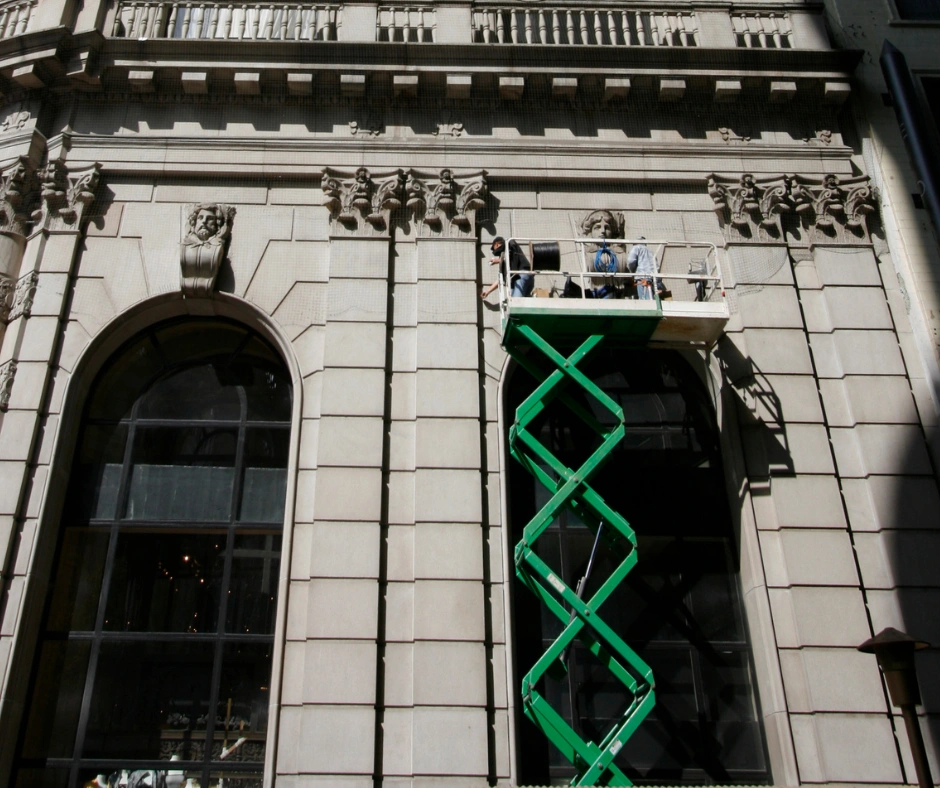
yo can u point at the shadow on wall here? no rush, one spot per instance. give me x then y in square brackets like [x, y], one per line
[901, 558]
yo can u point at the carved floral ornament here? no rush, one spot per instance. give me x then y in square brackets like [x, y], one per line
[833, 209]
[362, 205]
[64, 195]
[207, 229]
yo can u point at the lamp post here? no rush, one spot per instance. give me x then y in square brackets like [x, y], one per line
[895, 654]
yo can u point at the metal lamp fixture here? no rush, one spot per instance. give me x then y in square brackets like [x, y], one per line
[894, 651]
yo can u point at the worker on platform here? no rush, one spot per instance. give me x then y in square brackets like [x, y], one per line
[522, 283]
[642, 261]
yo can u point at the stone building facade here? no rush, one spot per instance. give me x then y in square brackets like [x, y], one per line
[242, 254]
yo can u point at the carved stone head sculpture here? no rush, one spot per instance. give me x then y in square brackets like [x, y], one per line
[209, 226]
[602, 224]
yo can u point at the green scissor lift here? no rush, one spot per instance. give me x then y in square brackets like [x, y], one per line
[533, 329]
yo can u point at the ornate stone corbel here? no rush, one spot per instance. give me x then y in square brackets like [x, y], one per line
[208, 229]
[358, 205]
[24, 293]
[472, 198]
[829, 202]
[7, 373]
[859, 203]
[65, 196]
[7, 288]
[824, 211]
[14, 193]
[446, 204]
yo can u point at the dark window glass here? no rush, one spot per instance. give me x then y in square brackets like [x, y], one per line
[159, 624]
[918, 9]
[679, 608]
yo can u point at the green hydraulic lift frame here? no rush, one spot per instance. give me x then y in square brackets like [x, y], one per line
[530, 336]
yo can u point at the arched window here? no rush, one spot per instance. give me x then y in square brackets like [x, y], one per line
[158, 629]
[680, 608]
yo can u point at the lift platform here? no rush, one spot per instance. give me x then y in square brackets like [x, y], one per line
[694, 313]
[550, 337]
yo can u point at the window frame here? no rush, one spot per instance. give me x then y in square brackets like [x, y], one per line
[231, 528]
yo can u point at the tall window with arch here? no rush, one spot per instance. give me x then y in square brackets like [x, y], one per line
[680, 608]
[153, 666]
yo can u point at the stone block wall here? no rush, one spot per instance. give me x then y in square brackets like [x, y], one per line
[395, 628]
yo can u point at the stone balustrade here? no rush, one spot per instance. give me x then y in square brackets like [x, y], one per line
[412, 24]
[584, 26]
[762, 31]
[483, 23]
[232, 21]
[15, 17]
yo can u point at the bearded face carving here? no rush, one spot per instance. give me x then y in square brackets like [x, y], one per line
[204, 246]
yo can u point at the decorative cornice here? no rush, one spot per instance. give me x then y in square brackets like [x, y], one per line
[823, 210]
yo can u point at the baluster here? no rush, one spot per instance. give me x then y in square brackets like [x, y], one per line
[150, 20]
[406, 33]
[761, 22]
[611, 26]
[131, 24]
[693, 28]
[187, 11]
[774, 30]
[171, 25]
[14, 21]
[142, 18]
[227, 24]
[298, 21]
[654, 29]
[514, 26]
[753, 30]
[143, 21]
[556, 27]
[485, 31]
[255, 22]
[18, 14]
[242, 12]
[543, 33]
[527, 18]
[738, 29]
[159, 29]
[195, 21]
[640, 29]
[500, 26]
[625, 23]
[284, 11]
[584, 27]
[9, 23]
[214, 21]
[310, 28]
[785, 30]
[269, 24]
[680, 27]
[115, 31]
[669, 37]
[569, 26]
[390, 28]
[422, 26]
[598, 35]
